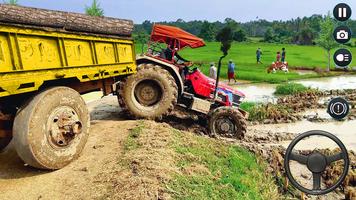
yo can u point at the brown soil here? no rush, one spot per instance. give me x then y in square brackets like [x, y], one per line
[147, 168]
[105, 171]
[187, 121]
[82, 179]
[291, 107]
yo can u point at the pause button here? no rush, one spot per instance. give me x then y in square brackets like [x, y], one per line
[342, 12]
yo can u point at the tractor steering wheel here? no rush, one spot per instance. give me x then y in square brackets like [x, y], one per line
[316, 163]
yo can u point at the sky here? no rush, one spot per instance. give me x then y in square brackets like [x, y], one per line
[211, 10]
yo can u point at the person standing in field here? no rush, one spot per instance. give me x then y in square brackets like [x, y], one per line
[283, 55]
[231, 71]
[258, 56]
[278, 58]
[212, 71]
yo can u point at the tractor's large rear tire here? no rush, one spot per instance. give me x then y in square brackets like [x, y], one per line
[227, 122]
[149, 94]
[51, 130]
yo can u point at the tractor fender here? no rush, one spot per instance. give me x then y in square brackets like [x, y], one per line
[173, 70]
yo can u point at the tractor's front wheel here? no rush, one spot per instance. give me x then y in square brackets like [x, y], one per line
[227, 122]
[149, 94]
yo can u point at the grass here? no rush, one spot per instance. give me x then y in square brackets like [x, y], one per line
[216, 170]
[243, 54]
[248, 106]
[177, 165]
[290, 89]
[131, 142]
[260, 112]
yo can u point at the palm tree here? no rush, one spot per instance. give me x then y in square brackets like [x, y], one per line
[94, 9]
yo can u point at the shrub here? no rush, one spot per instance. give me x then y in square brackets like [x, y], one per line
[290, 89]
[248, 106]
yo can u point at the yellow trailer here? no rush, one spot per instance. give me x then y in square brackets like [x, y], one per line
[43, 71]
[30, 58]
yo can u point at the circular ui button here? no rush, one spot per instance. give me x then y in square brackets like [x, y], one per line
[342, 12]
[338, 108]
[342, 34]
[342, 57]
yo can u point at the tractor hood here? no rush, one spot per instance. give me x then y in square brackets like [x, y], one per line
[164, 34]
[212, 82]
[228, 88]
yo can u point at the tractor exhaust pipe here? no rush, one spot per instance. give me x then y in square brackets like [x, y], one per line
[218, 76]
[225, 37]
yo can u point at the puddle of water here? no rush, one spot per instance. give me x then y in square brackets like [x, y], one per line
[260, 92]
[321, 113]
[331, 83]
[345, 131]
[263, 92]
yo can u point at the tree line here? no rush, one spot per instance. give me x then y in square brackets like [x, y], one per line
[93, 10]
[302, 31]
[316, 29]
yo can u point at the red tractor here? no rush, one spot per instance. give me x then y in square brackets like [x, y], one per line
[164, 80]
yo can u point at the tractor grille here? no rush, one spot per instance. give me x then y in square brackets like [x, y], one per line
[223, 97]
[236, 99]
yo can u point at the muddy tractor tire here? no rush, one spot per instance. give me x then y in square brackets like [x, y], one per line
[51, 129]
[149, 94]
[227, 122]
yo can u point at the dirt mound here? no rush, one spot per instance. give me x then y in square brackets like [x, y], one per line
[147, 162]
[301, 101]
[274, 155]
[187, 121]
[79, 180]
[290, 108]
[259, 137]
[334, 171]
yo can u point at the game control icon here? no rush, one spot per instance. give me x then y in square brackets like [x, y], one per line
[342, 12]
[317, 163]
[342, 34]
[342, 57]
[338, 108]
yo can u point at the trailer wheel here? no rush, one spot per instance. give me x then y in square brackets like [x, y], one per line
[227, 122]
[51, 129]
[150, 94]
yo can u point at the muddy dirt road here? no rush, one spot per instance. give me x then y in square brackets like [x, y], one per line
[89, 177]
[85, 178]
